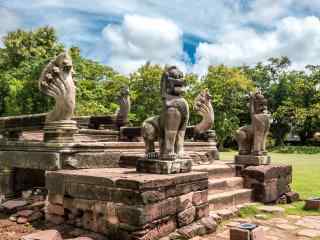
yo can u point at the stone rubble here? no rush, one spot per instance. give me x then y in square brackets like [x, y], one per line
[29, 208]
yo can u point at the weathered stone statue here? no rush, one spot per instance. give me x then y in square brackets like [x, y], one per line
[170, 127]
[125, 105]
[252, 138]
[204, 108]
[56, 80]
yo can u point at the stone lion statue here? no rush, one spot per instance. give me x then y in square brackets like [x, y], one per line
[170, 127]
[252, 138]
[56, 80]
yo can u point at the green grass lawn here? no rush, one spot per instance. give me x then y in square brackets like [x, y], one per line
[306, 171]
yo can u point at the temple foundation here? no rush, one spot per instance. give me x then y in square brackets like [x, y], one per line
[130, 205]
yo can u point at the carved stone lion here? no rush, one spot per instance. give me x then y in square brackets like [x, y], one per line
[56, 81]
[252, 138]
[170, 127]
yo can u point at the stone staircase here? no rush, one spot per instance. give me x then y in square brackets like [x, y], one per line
[225, 188]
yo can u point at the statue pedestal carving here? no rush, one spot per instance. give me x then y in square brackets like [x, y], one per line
[60, 131]
[159, 166]
[252, 160]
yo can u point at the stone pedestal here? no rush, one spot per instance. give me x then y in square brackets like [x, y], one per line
[252, 160]
[6, 184]
[269, 182]
[164, 166]
[239, 233]
[60, 131]
[125, 204]
[312, 204]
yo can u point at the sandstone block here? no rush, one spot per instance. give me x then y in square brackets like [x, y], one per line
[55, 209]
[13, 205]
[200, 197]
[292, 197]
[258, 234]
[162, 229]
[186, 217]
[312, 204]
[252, 160]
[43, 235]
[265, 172]
[184, 201]
[164, 167]
[192, 230]
[202, 211]
[210, 224]
[55, 198]
[239, 234]
[152, 196]
[269, 182]
[55, 219]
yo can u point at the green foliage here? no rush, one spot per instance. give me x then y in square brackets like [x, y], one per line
[98, 86]
[294, 96]
[296, 149]
[145, 92]
[249, 211]
[22, 59]
[296, 209]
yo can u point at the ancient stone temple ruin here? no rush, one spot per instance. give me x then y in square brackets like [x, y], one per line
[132, 182]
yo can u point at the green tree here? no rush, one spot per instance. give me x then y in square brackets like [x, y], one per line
[98, 86]
[21, 61]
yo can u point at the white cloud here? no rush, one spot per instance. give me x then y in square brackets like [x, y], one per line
[9, 21]
[297, 38]
[240, 31]
[140, 39]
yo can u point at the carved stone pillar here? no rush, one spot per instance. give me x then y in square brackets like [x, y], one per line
[6, 184]
[60, 131]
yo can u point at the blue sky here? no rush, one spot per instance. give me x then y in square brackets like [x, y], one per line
[191, 34]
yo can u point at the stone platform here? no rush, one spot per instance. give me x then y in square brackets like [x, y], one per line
[130, 205]
[269, 182]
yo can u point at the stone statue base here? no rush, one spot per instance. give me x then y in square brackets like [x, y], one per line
[252, 160]
[60, 131]
[159, 166]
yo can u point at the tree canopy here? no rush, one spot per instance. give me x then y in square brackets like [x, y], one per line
[294, 96]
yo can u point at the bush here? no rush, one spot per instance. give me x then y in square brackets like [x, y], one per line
[296, 149]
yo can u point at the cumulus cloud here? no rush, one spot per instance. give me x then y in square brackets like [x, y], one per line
[140, 39]
[9, 22]
[234, 31]
[297, 38]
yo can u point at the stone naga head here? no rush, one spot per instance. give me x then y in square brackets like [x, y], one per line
[203, 107]
[172, 82]
[56, 80]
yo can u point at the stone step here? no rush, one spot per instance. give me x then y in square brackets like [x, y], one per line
[229, 199]
[225, 184]
[217, 170]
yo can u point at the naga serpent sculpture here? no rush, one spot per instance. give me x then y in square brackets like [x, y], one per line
[56, 80]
